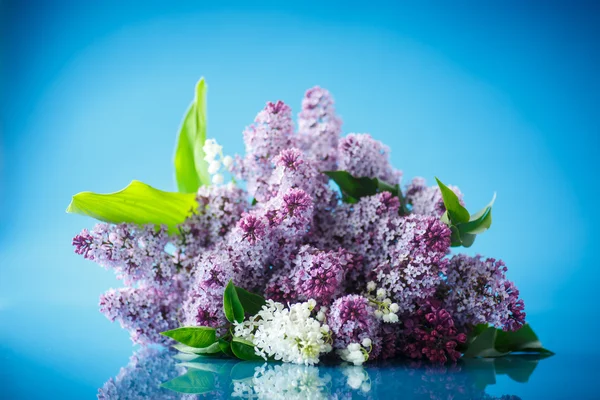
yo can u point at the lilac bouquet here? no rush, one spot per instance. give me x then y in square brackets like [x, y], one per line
[293, 267]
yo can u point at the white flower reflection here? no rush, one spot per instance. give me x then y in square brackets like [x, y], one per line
[284, 381]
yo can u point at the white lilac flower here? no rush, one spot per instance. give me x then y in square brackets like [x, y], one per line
[287, 334]
[227, 162]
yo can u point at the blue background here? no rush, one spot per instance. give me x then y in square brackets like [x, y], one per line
[488, 97]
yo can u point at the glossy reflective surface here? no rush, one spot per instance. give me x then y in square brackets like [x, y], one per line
[76, 354]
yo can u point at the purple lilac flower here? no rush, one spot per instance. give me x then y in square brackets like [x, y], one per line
[134, 253]
[219, 209]
[281, 288]
[427, 200]
[253, 228]
[319, 128]
[363, 156]
[268, 136]
[477, 291]
[318, 275]
[351, 320]
[143, 311]
[430, 333]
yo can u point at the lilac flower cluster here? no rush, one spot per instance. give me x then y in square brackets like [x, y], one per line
[477, 291]
[430, 333]
[383, 282]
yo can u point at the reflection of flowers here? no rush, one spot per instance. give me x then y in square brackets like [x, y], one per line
[358, 378]
[286, 381]
[142, 377]
[148, 368]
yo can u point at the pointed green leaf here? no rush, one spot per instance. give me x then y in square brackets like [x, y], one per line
[522, 340]
[191, 171]
[231, 304]
[193, 336]
[192, 382]
[138, 203]
[225, 347]
[456, 212]
[244, 350]
[483, 345]
[480, 221]
[251, 302]
[467, 239]
[355, 188]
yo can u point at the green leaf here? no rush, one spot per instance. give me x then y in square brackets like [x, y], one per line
[138, 203]
[456, 212]
[467, 239]
[522, 340]
[480, 221]
[483, 345]
[231, 304]
[191, 171]
[455, 240]
[251, 302]
[355, 188]
[225, 347]
[244, 350]
[193, 336]
[194, 381]
[212, 349]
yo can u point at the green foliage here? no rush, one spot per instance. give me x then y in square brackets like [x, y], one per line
[487, 341]
[231, 304]
[353, 188]
[251, 302]
[464, 227]
[191, 171]
[138, 203]
[244, 350]
[193, 336]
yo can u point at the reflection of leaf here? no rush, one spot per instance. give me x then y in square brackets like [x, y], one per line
[519, 368]
[212, 349]
[138, 203]
[192, 382]
[186, 357]
[244, 369]
[217, 366]
[481, 370]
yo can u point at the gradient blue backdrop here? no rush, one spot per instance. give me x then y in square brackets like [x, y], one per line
[487, 97]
